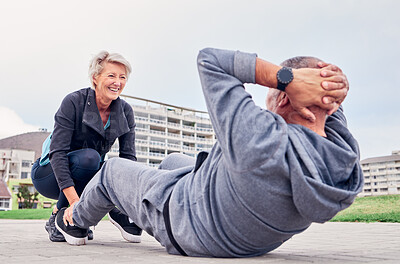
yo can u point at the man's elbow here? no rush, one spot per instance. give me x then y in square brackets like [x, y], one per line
[207, 56]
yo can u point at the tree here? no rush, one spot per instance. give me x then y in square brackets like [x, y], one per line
[26, 197]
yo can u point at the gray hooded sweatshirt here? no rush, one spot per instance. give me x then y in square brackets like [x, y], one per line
[264, 180]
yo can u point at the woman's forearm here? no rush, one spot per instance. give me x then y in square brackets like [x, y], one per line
[71, 194]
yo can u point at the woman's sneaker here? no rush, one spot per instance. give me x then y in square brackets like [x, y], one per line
[73, 235]
[54, 234]
[129, 230]
[90, 234]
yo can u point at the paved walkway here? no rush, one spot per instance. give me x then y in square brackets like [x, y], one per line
[25, 241]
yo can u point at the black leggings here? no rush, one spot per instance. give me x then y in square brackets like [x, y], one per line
[83, 164]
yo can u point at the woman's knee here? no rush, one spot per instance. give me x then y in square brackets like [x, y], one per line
[88, 159]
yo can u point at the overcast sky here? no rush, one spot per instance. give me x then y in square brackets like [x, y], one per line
[46, 47]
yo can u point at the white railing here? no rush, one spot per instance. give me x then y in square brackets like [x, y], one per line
[188, 148]
[153, 154]
[141, 141]
[209, 130]
[157, 132]
[188, 127]
[210, 141]
[176, 146]
[141, 129]
[174, 135]
[156, 143]
[156, 121]
[173, 124]
[139, 118]
[189, 137]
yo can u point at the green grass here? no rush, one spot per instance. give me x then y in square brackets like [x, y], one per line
[385, 208]
[29, 214]
[26, 214]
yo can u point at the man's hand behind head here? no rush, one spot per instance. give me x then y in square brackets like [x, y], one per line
[330, 70]
[325, 88]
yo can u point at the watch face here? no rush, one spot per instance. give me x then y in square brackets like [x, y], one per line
[285, 75]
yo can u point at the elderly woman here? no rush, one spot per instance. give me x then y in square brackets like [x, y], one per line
[86, 125]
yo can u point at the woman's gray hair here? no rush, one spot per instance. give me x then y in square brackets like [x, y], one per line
[97, 64]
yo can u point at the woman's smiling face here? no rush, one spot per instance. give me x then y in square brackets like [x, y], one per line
[110, 82]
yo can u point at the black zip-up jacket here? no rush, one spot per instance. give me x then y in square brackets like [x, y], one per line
[78, 125]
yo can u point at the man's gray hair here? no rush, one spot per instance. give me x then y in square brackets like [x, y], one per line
[97, 64]
[301, 62]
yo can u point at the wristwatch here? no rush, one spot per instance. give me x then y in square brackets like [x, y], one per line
[284, 77]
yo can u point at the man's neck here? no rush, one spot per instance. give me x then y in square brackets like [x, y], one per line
[318, 126]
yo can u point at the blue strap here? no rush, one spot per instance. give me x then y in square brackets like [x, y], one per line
[44, 158]
[108, 123]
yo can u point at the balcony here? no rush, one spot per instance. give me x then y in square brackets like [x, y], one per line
[189, 138]
[174, 146]
[174, 125]
[188, 148]
[141, 141]
[139, 129]
[174, 135]
[140, 119]
[159, 122]
[156, 143]
[190, 128]
[156, 132]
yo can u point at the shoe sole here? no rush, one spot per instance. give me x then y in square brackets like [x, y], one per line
[74, 241]
[128, 237]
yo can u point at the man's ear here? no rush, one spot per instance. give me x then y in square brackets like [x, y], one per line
[283, 100]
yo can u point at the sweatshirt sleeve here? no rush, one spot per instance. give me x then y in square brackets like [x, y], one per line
[64, 125]
[248, 135]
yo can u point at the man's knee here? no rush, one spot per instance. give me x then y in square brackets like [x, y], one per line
[175, 161]
[120, 167]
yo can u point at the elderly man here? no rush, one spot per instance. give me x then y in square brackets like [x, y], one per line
[270, 175]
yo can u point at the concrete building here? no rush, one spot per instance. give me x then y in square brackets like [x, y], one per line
[16, 164]
[5, 197]
[26, 141]
[381, 175]
[17, 153]
[162, 129]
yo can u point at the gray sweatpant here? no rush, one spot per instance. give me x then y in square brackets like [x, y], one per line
[126, 184]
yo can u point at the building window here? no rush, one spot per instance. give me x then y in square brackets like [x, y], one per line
[4, 203]
[15, 188]
[24, 175]
[26, 163]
